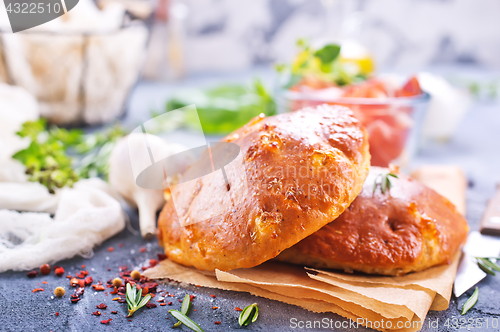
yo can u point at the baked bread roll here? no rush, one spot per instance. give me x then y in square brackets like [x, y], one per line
[409, 228]
[303, 169]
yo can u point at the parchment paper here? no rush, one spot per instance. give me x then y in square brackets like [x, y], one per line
[438, 280]
[171, 270]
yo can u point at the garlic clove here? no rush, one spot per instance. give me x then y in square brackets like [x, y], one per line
[122, 171]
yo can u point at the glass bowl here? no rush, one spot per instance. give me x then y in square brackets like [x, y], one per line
[394, 124]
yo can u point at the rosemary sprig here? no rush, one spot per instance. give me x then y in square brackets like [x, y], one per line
[487, 265]
[385, 182]
[470, 302]
[134, 300]
[246, 315]
[186, 306]
[185, 320]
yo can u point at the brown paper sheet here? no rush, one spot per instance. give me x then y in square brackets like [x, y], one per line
[404, 299]
[438, 280]
[312, 301]
[289, 279]
[447, 180]
[417, 301]
[171, 270]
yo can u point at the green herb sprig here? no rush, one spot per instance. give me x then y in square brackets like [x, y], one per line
[182, 315]
[135, 300]
[248, 315]
[185, 308]
[57, 157]
[45, 158]
[488, 266]
[185, 320]
[322, 63]
[96, 149]
[470, 302]
[384, 181]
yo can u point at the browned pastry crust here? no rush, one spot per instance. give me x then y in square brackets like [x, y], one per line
[303, 169]
[409, 228]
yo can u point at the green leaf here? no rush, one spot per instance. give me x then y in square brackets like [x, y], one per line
[256, 315]
[389, 183]
[245, 316]
[385, 182]
[31, 129]
[383, 185]
[328, 53]
[130, 304]
[185, 320]
[489, 263]
[485, 268]
[144, 301]
[470, 302]
[186, 306]
[138, 295]
[130, 295]
[134, 300]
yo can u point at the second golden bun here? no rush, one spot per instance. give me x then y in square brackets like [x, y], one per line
[408, 228]
[303, 169]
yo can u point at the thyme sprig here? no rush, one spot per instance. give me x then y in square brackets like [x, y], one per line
[246, 315]
[135, 300]
[384, 182]
[58, 157]
[45, 158]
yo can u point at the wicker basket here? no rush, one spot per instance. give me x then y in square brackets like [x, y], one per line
[78, 78]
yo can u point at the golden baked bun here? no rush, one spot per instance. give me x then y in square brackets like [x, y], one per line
[409, 228]
[303, 169]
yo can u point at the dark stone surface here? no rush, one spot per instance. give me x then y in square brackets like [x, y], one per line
[476, 147]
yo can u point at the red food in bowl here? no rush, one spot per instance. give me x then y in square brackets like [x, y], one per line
[379, 106]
